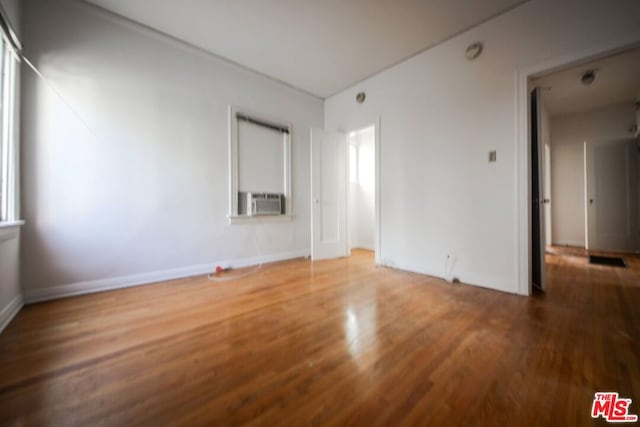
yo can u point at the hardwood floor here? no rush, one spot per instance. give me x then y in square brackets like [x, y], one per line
[330, 343]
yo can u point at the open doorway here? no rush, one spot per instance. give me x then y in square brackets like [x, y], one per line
[584, 160]
[345, 192]
[362, 185]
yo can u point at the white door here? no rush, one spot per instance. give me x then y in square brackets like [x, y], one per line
[611, 176]
[328, 194]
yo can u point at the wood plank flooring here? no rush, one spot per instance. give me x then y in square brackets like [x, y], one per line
[329, 343]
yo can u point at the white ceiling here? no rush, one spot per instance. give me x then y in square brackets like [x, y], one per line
[617, 81]
[320, 46]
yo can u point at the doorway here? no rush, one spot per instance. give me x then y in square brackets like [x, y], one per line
[583, 158]
[361, 189]
[345, 192]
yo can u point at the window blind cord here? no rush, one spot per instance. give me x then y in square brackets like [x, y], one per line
[53, 89]
[227, 278]
[213, 276]
[446, 268]
[8, 32]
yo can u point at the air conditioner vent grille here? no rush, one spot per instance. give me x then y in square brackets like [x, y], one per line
[250, 203]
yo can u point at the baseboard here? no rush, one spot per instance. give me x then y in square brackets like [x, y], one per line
[9, 311]
[573, 243]
[107, 284]
[467, 278]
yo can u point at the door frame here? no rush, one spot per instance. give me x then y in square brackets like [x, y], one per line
[547, 199]
[377, 192]
[523, 78]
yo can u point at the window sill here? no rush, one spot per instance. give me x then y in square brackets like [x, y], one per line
[11, 224]
[9, 229]
[259, 219]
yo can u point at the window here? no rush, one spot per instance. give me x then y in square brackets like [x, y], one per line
[8, 136]
[259, 162]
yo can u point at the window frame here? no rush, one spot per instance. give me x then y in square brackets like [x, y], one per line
[9, 212]
[233, 216]
[4, 147]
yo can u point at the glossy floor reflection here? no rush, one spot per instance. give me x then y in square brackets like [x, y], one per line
[331, 343]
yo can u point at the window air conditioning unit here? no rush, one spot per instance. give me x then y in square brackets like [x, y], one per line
[251, 204]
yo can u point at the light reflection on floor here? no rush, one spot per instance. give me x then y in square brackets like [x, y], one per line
[577, 256]
[360, 330]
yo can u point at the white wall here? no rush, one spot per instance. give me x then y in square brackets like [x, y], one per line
[146, 196]
[440, 116]
[10, 290]
[569, 133]
[362, 192]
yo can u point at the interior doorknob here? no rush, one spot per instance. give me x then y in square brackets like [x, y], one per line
[591, 201]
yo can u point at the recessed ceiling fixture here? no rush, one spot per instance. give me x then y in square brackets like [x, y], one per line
[360, 97]
[588, 77]
[473, 51]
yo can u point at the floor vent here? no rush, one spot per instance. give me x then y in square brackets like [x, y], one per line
[607, 260]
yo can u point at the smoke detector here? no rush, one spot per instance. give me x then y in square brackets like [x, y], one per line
[473, 51]
[588, 77]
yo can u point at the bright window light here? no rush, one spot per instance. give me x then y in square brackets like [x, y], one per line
[7, 136]
[353, 163]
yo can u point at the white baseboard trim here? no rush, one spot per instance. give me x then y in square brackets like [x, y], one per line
[9, 311]
[574, 243]
[467, 278]
[111, 283]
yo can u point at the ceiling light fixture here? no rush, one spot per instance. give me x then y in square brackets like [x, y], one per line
[588, 77]
[360, 97]
[473, 51]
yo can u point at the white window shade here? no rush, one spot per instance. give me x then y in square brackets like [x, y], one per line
[261, 159]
